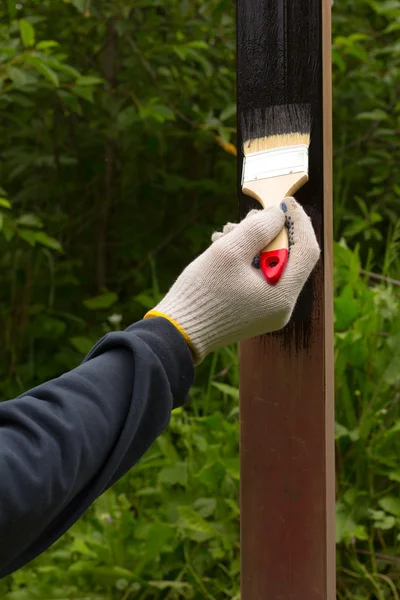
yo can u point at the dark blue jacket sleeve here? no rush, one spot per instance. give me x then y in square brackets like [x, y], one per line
[63, 443]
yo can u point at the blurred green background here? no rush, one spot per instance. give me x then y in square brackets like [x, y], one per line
[117, 131]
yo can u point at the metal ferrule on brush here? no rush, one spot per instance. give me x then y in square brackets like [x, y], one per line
[275, 163]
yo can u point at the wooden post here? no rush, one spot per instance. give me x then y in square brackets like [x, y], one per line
[286, 379]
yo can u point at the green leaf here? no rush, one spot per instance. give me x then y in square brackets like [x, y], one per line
[212, 474]
[44, 70]
[27, 33]
[205, 507]
[387, 6]
[80, 5]
[156, 536]
[79, 545]
[145, 300]
[338, 60]
[200, 442]
[103, 301]
[390, 504]
[158, 112]
[45, 240]
[84, 80]
[28, 236]
[382, 520]
[178, 474]
[341, 432]
[227, 390]
[392, 372]
[83, 92]
[392, 27]
[193, 521]
[228, 112]
[18, 76]
[347, 308]
[82, 344]
[232, 467]
[46, 44]
[373, 115]
[394, 476]
[29, 220]
[5, 203]
[177, 586]
[199, 44]
[67, 69]
[346, 527]
[356, 226]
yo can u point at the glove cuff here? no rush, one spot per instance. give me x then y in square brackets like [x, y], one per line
[156, 313]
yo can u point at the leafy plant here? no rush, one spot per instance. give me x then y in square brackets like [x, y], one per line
[117, 163]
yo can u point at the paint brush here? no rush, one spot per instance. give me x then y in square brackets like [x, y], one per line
[275, 147]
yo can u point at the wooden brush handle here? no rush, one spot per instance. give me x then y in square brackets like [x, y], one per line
[271, 192]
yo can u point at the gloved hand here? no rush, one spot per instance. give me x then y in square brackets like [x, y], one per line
[221, 298]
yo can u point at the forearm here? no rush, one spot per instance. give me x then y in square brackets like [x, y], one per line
[63, 443]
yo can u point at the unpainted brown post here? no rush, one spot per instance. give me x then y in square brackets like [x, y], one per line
[286, 384]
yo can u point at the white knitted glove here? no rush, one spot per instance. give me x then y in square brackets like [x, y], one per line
[221, 298]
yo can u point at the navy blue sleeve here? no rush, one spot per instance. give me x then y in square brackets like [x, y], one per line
[66, 441]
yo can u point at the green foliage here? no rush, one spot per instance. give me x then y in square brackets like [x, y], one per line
[116, 120]
[366, 76]
[117, 162]
[367, 370]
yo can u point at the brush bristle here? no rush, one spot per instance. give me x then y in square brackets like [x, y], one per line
[275, 141]
[275, 126]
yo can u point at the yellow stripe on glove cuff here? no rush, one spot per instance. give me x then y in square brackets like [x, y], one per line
[156, 313]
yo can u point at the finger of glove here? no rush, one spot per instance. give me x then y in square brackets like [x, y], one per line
[217, 235]
[227, 229]
[254, 233]
[304, 248]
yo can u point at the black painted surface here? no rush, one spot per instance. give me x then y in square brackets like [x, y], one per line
[278, 52]
[274, 120]
[279, 60]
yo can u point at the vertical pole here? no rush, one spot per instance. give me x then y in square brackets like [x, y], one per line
[286, 378]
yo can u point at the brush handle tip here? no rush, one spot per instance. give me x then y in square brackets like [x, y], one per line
[273, 263]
